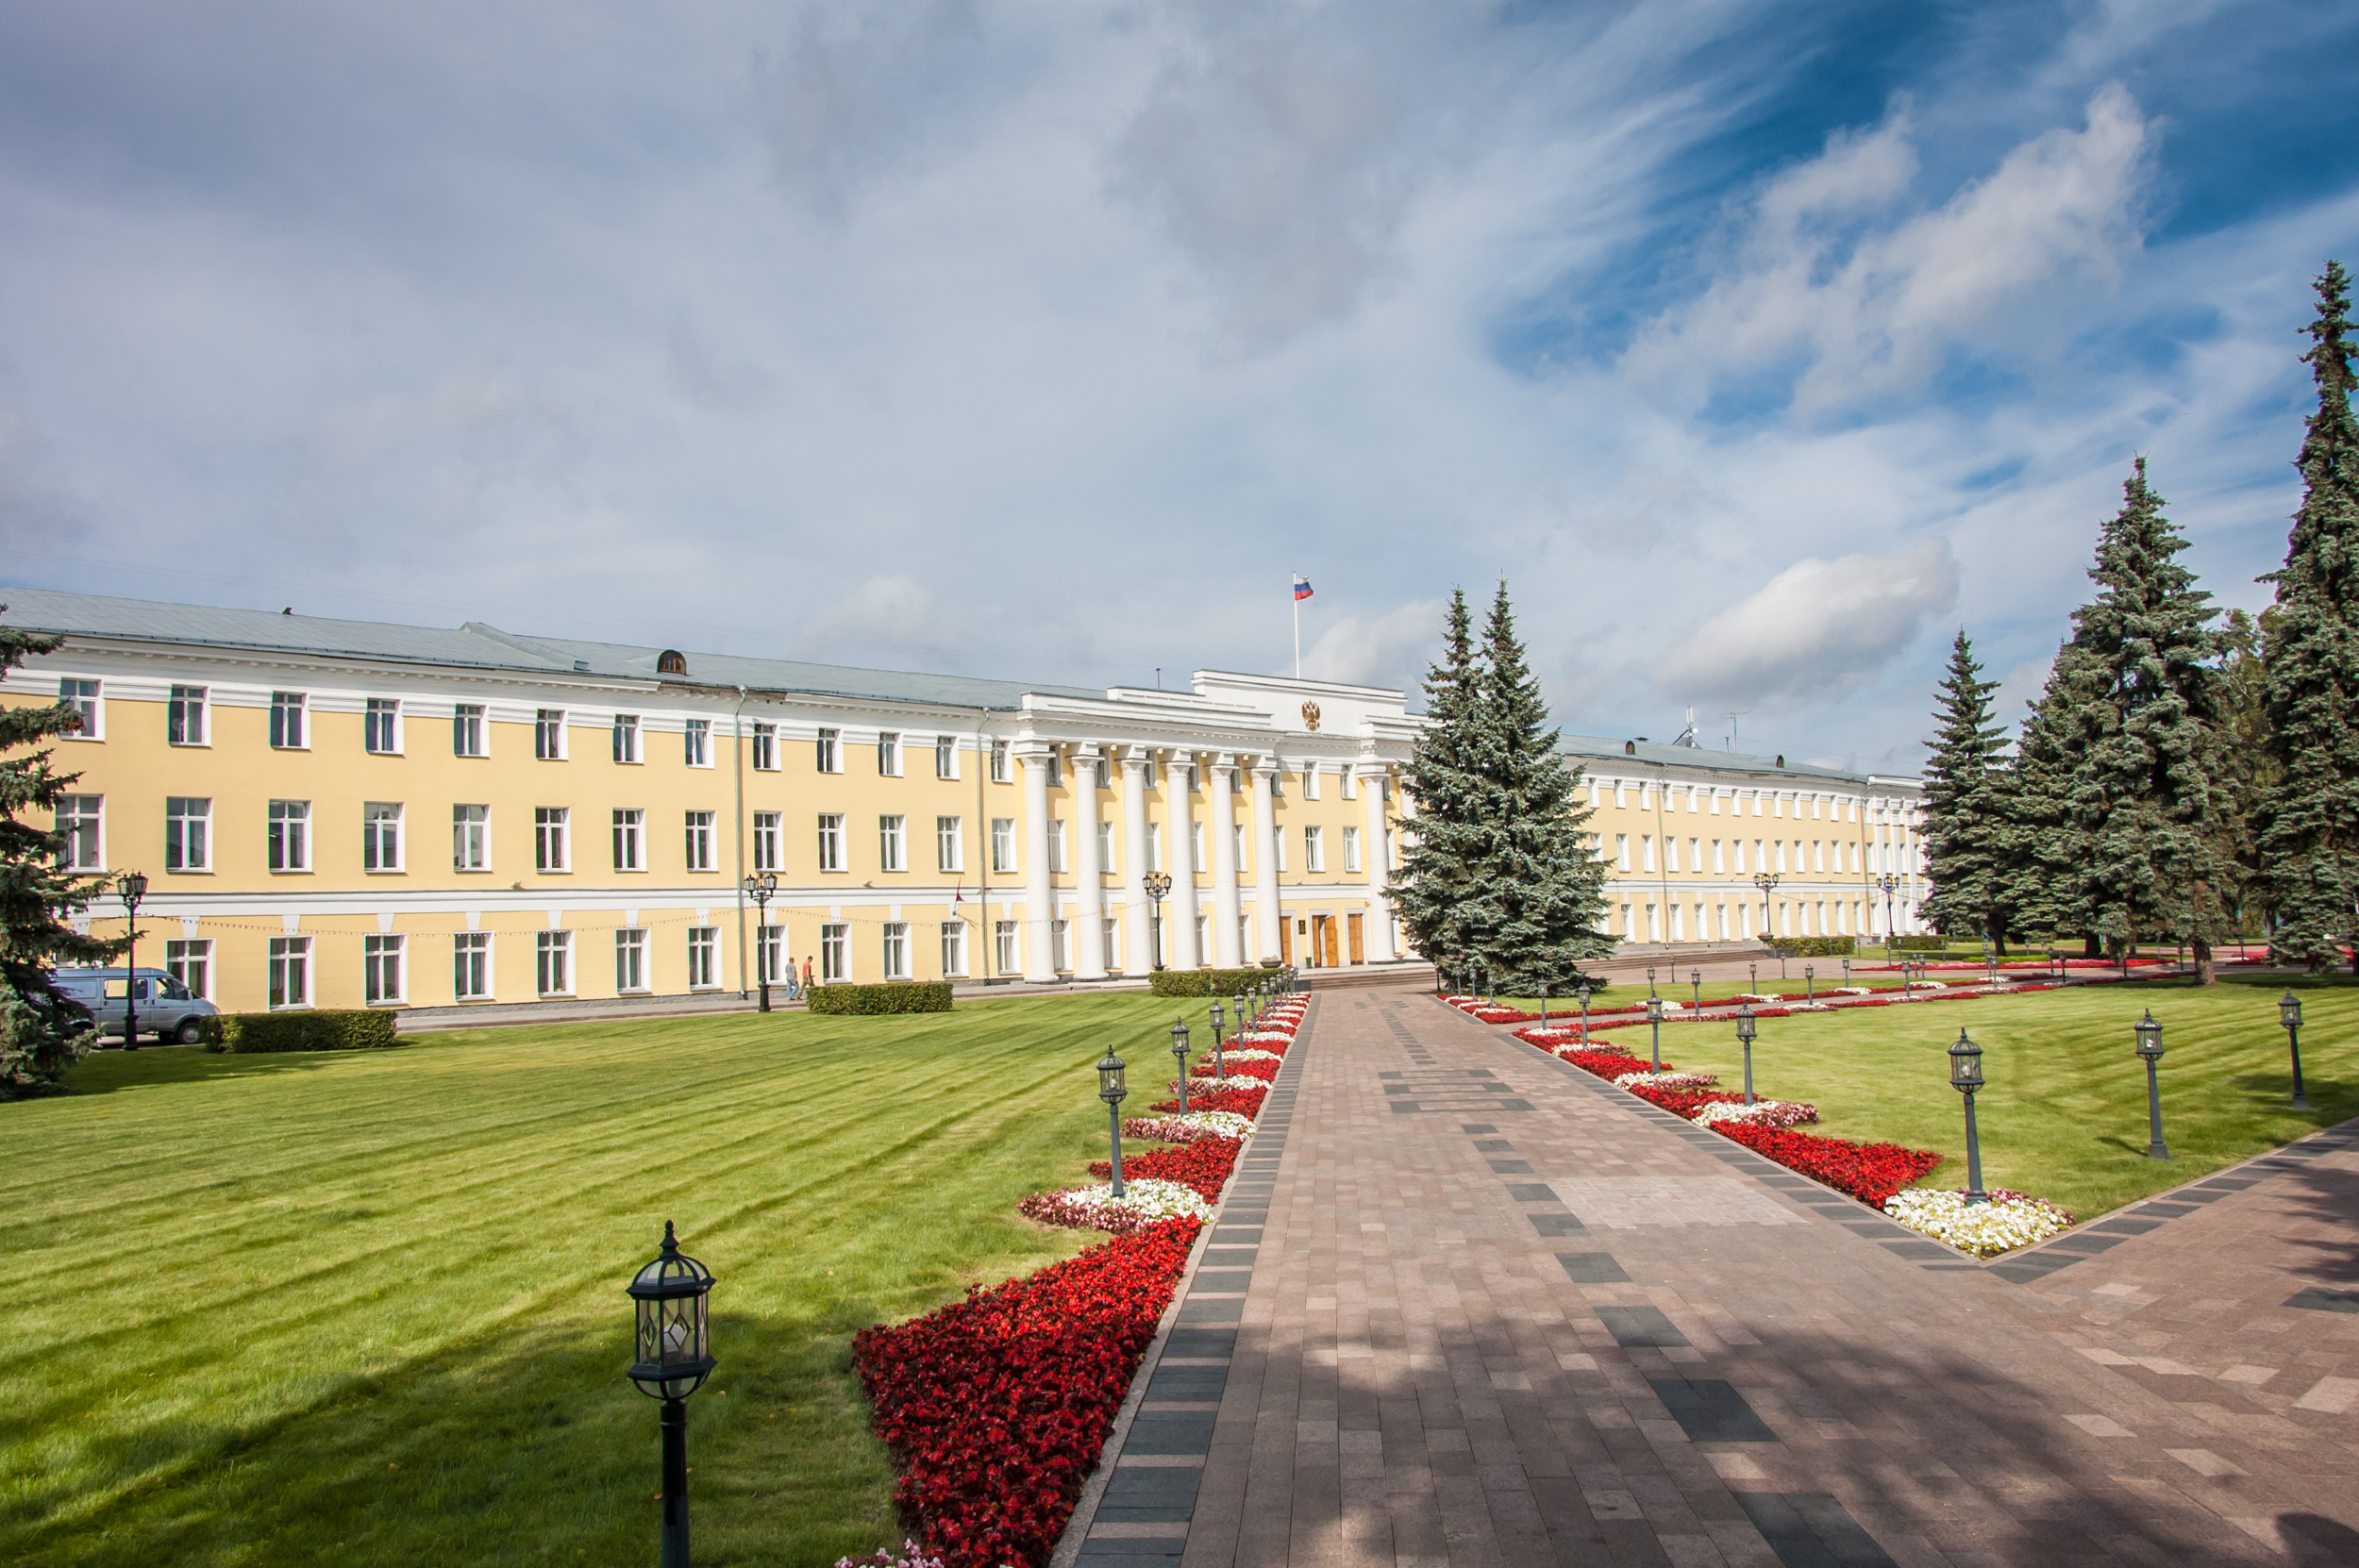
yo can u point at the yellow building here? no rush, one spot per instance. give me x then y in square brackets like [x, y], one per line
[341, 814]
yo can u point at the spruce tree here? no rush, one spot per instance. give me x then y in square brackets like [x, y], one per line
[2044, 847]
[1540, 897]
[2308, 826]
[1434, 890]
[35, 1050]
[1964, 831]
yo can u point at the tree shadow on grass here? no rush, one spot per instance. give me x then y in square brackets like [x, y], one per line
[171, 1066]
[527, 1447]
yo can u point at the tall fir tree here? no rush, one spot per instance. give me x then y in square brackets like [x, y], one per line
[36, 1048]
[2308, 817]
[1540, 897]
[1965, 791]
[2044, 845]
[1435, 888]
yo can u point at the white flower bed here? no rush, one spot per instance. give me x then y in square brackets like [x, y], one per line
[1765, 1114]
[2008, 1220]
[1750, 996]
[1199, 1086]
[1248, 1054]
[1144, 1201]
[1852, 991]
[1929, 985]
[1269, 1037]
[1668, 1080]
[1187, 1129]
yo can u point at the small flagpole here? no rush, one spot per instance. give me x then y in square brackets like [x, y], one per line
[1298, 602]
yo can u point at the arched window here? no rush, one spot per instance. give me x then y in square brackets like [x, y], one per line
[671, 662]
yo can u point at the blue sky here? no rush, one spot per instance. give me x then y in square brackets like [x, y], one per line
[1759, 347]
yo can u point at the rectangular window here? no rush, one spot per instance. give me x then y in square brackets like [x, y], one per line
[1351, 849]
[548, 734]
[1099, 774]
[953, 947]
[765, 748]
[191, 963]
[1818, 854]
[381, 968]
[1196, 846]
[1195, 778]
[1060, 946]
[1055, 845]
[704, 957]
[700, 841]
[1245, 857]
[553, 962]
[381, 731]
[1720, 861]
[946, 757]
[290, 972]
[1003, 843]
[187, 833]
[82, 696]
[551, 847]
[1670, 853]
[471, 838]
[286, 720]
[1106, 860]
[184, 718]
[830, 759]
[1313, 850]
[466, 730]
[630, 838]
[289, 835]
[696, 742]
[1005, 956]
[627, 737]
[999, 762]
[1056, 769]
[949, 846]
[81, 845]
[1309, 782]
[471, 965]
[1351, 787]
[835, 952]
[830, 841]
[380, 836]
[1278, 847]
[769, 838]
[1149, 774]
[1154, 846]
[1621, 851]
[893, 843]
[770, 960]
[630, 959]
[896, 950]
[889, 755]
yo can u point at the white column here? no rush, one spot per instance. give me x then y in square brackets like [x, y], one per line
[1089, 878]
[1379, 939]
[1220, 826]
[1180, 911]
[1137, 910]
[1266, 910]
[1039, 957]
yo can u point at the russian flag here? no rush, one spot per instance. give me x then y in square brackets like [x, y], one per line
[1302, 587]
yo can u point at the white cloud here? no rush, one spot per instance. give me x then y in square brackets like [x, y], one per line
[1392, 649]
[1816, 631]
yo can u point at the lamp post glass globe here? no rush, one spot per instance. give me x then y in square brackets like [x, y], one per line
[1746, 1029]
[1966, 1076]
[1112, 1090]
[674, 1348]
[2289, 1014]
[2150, 1035]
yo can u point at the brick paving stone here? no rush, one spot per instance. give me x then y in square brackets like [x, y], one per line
[1416, 1377]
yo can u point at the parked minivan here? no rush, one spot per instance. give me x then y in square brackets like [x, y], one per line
[167, 1009]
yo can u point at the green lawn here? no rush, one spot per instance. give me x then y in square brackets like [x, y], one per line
[2063, 1117]
[368, 1308]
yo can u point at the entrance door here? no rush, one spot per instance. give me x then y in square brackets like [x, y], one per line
[1327, 945]
[1286, 940]
[1352, 934]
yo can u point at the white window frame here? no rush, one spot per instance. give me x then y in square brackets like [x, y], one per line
[946, 757]
[469, 833]
[888, 754]
[470, 730]
[949, 845]
[893, 949]
[1061, 947]
[80, 823]
[696, 839]
[287, 838]
[187, 955]
[548, 734]
[704, 957]
[696, 742]
[381, 727]
[769, 840]
[553, 963]
[1310, 781]
[383, 843]
[1055, 846]
[630, 961]
[1000, 771]
[1195, 847]
[471, 976]
[552, 838]
[771, 962]
[630, 838]
[1003, 845]
[893, 840]
[1278, 847]
[829, 751]
[765, 747]
[384, 972]
[832, 840]
[1006, 938]
[290, 729]
[1351, 849]
[953, 949]
[835, 952]
[86, 698]
[1313, 850]
[1349, 785]
[183, 813]
[1154, 846]
[183, 705]
[290, 988]
[1108, 859]
[626, 739]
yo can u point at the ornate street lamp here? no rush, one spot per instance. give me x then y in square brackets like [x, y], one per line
[1651, 982]
[2289, 1014]
[1767, 882]
[1654, 1017]
[2150, 1051]
[1583, 995]
[761, 889]
[1990, 961]
[1745, 1030]
[1890, 884]
[1243, 1024]
[1966, 1076]
[1218, 1070]
[132, 886]
[1695, 984]
[675, 1356]
[1752, 980]
[1180, 1050]
[1157, 885]
[1111, 1090]
[1810, 984]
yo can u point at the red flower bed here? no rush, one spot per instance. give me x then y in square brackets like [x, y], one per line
[997, 1405]
[1203, 1165]
[1869, 1171]
[1609, 1063]
[1266, 1071]
[1244, 1102]
[1683, 1102]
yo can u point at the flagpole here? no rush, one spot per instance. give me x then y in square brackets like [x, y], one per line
[1298, 633]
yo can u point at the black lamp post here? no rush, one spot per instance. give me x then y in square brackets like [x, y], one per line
[1767, 882]
[761, 889]
[1219, 1069]
[1810, 984]
[1651, 982]
[1583, 995]
[1111, 1090]
[132, 886]
[1242, 1023]
[1695, 984]
[1157, 885]
[1847, 974]
[1745, 1030]
[1966, 1076]
[675, 1356]
[2289, 1014]
[1752, 979]
[1890, 884]
[1180, 1050]
[2150, 1051]
[1654, 1019]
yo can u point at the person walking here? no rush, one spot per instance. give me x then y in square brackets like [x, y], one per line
[807, 972]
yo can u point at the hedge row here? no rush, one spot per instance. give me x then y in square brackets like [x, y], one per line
[871, 1000]
[1922, 944]
[1811, 947]
[327, 1029]
[1205, 982]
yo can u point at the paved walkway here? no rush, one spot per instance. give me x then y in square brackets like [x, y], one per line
[1468, 1306]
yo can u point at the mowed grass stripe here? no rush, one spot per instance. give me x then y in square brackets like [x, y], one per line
[416, 1260]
